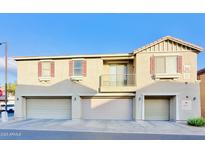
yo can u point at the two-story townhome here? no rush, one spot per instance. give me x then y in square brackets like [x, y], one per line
[201, 77]
[155, 82]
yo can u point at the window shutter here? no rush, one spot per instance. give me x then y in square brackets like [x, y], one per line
[71, 68]
[152, 65]
[39, 69]
[52, 69]
[84, 67]
[179, 64]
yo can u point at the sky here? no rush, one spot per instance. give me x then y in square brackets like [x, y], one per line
[71, 34]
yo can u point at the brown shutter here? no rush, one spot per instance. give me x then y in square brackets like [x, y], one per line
[152, 65]
[84, 67]
[71, 68]
[52, 69]
[179, 64]
[39, 69]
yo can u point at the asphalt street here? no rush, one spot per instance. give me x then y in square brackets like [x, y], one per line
[6, 134]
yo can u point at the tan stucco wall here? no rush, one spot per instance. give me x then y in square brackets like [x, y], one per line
[179, 90]
[27, 75]
[143, 76]
[28, 83]
[61, 85]
[202, 90]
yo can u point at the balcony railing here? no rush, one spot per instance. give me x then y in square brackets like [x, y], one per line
[118, 80]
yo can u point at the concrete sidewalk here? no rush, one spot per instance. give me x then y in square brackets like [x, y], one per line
[144, 127]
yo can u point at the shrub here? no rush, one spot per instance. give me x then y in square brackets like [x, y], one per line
[198, 122]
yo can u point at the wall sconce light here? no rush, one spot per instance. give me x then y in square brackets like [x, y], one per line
[74, 98]
[139, 99]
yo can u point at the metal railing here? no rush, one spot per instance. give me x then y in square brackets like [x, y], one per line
[117, 80]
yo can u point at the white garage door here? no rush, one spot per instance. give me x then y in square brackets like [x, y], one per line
[157, 109]
[48, 108]
[110, 109]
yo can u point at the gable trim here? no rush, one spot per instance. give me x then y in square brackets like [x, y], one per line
[179, 41]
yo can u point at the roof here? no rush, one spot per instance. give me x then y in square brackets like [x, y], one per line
[202, 71]
[188, 44]
[195, 47]
[72, 56]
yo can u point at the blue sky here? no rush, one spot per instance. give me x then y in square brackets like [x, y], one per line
[68, 34]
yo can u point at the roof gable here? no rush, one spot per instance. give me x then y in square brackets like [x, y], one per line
[169, 43]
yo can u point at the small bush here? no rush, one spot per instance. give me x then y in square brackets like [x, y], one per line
[198, 122]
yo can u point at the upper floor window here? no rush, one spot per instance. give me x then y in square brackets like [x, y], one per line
[78, 68]
[166, 64]
[46, 69]
[166, 67]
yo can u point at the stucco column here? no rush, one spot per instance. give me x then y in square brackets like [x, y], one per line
[24, 104]
[76, 107]
[20, 107]
[138, 107]
[134, 108]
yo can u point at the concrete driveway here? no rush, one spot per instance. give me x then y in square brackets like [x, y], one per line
[145, 127]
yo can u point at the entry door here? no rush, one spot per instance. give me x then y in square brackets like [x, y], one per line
[118, 74]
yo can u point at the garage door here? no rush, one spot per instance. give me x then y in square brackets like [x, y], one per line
[48, 108]
[110, 109]
[157, 109]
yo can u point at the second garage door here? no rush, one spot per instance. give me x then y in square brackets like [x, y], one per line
[108, 109]
[48, 108]
[157, 108]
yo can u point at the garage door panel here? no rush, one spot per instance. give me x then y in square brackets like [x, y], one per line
[157, 109]
[110, 109]
[49, 108]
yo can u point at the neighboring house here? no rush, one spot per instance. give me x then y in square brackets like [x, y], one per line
[155, 82]
[201, 77]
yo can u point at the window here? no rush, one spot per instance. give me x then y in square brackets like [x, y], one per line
[166, 65]
[78, 68]
[46, 69]
[118, 74]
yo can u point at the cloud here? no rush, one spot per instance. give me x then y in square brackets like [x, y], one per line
[11, 64]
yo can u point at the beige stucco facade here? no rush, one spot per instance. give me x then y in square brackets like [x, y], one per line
[201, 77]
[182, 88]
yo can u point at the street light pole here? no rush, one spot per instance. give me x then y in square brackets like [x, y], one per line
[6, 72]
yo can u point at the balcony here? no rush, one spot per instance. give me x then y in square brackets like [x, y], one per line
[118, 83]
